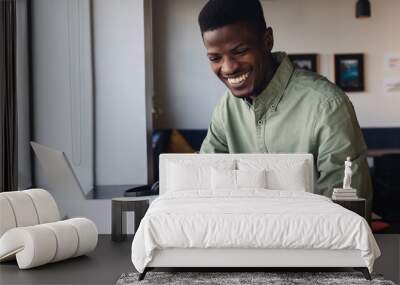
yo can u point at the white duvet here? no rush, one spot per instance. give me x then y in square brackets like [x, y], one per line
[250, 219]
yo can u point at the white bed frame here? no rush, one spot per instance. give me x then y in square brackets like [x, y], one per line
[250, 258]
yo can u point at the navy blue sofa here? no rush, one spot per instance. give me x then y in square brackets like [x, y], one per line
[376, 138]
[382, 138]
[385, 173]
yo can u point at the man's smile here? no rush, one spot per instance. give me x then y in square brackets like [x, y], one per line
[237, 81]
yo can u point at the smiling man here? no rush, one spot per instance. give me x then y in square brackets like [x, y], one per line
[271, 106]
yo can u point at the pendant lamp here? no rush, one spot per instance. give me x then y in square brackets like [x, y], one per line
[363, 9]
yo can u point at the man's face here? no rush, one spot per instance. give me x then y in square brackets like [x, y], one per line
[240, 57]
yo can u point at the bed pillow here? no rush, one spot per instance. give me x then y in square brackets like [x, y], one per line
[281, 174]
[251, 179]
[223, 179]
[193, 174]
[236, 179]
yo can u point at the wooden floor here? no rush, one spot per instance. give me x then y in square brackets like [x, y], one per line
[111, 259]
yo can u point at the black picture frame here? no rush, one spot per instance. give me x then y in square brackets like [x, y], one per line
[307, 61]
[349, 72]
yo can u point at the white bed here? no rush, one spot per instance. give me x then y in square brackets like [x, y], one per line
[220, 211]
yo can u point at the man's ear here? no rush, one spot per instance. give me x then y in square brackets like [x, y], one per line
[268, 39]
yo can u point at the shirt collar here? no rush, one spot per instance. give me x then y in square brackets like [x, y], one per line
[274, 91]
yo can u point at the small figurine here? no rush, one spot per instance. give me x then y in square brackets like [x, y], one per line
[347, 174]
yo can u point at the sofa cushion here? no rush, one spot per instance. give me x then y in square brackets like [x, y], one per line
[7, 220]
[23, 208]
[27, 208]
[45, 205]
[40, 244]
[30, 230]
[178, 144]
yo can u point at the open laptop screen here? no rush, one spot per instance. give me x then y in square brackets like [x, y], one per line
[58, 170]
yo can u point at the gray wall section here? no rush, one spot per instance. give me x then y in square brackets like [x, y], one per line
[186, 90]
[120, 105]
[65, 108]
[62, 83]
[24, 160]
[62, 102]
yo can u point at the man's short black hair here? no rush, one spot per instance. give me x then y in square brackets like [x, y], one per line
[218, 13]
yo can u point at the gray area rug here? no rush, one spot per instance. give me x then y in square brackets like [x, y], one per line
[229, 278]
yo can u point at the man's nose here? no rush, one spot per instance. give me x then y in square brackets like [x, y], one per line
[229, 66]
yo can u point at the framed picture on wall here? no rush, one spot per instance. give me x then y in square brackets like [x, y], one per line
[306, 61]
[349, 72]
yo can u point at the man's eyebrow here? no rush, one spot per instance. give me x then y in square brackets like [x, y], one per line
[238, 46]
[212, 53]
[232, 49]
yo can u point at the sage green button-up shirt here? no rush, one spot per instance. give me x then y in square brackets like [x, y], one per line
[298, 112]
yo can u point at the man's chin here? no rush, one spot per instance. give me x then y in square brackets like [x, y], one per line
[240, 94]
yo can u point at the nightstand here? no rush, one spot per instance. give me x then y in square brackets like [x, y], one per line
[356, 205]
[119, 207]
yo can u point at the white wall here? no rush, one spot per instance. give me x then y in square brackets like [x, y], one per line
[187, 90]
[122, 124]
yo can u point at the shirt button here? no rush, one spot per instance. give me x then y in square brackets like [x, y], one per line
[260, 122]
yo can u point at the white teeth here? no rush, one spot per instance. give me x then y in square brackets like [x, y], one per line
[239, 79]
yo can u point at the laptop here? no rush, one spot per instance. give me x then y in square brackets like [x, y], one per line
[58, 170]
[63, 180]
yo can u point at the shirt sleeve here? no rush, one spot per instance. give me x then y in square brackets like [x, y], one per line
[215, 141]
[338, 135]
